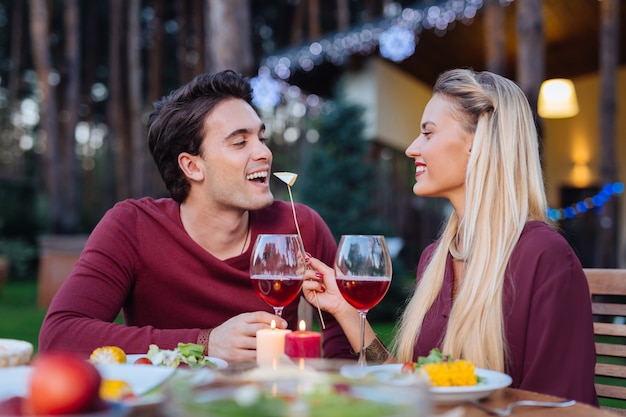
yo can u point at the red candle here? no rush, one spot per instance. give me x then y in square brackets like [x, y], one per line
[303, 344]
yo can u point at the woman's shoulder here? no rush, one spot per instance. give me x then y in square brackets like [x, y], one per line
[542, 235]
[541, 246]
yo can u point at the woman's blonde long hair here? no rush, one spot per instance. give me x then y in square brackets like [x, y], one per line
[504, 189]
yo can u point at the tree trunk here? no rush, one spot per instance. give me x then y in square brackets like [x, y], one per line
[609, 53]
[343, 15]
[229, 36]
[182, 41]
[531, 53]
[197, 23]
[48, 127]
[117, 184]
[155, 91]
[16, 51]
[297, 25]
[71, 100]
[134, 97]
[315, 28]
[494, 36]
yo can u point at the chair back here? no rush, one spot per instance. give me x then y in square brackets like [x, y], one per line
[608, 295]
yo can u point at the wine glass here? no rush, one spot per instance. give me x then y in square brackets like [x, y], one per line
[363, 272]
[277, 269]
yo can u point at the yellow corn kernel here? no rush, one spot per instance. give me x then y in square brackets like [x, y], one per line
[115, 390]
[448, 374]
[107, 354]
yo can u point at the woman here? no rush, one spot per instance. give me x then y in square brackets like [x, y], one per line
[499, 287]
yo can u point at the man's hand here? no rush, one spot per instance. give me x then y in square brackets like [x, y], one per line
[235, 339]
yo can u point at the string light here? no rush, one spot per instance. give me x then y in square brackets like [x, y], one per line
[596, 202]
[395, 36]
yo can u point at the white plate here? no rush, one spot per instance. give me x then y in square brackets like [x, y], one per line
[14, 380]
[141, 379]
[220, 363]
[490, 381]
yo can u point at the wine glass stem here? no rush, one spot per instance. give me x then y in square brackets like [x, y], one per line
[278, 311]
[362, 360]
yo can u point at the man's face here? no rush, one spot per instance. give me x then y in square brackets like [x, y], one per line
[235, 158]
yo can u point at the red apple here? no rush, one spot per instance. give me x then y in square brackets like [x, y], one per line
[62, 383]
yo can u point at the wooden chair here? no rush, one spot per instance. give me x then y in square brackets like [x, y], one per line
[608, 294]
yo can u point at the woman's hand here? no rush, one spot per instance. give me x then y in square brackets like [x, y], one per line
[320, 288]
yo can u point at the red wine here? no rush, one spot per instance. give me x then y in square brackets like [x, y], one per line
[277, 291]
[363, 293]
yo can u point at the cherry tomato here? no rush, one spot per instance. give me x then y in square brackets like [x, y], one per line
[143, 361]
[408, 368]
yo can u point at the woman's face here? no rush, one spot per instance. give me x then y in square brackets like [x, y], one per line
[441, 153]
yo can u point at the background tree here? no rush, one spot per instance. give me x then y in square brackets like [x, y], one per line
[338, 177]
[228, 36]
[609, 53]
[48, 126]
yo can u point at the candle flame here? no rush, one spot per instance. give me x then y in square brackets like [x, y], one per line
[302, 325]
[273, 324]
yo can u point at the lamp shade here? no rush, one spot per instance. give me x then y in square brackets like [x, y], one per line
[557, 99]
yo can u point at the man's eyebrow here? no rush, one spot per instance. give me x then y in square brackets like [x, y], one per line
[244, 131]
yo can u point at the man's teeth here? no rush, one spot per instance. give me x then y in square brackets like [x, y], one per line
[420, 168]
[261, 174]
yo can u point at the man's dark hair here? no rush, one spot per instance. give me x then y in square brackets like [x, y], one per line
[177, 123]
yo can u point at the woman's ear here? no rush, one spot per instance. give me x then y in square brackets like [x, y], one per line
[189, 165]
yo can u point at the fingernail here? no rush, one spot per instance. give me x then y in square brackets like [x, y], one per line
[319, 275]
[323, 289]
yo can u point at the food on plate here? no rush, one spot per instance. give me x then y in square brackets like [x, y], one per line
[107, 354]
[331, 396]
[444, 371]
[62, 383]
[115, 390]
[143, 360]
[15, 352]
[189, 354]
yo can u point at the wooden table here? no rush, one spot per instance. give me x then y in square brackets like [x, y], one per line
[505, 396]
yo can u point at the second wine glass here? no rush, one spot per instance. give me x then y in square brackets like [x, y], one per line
[277, 269]
[363, 270]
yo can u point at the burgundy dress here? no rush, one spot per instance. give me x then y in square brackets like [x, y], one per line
[547, 316]
[140, 260]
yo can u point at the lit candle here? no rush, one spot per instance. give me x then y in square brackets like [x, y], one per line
[270, 345]
[303, 344]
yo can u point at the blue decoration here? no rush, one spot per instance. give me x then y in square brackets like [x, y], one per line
[265, 91]
[397, 43]
[596, 202]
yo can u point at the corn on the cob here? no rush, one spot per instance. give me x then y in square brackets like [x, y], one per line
[107, 354]
[115, 390]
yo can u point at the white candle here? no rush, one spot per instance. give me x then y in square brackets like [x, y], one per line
[270, 345]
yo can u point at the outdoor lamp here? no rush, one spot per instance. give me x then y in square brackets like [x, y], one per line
[557, 99]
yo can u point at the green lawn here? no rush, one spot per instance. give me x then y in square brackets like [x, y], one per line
[20, 317]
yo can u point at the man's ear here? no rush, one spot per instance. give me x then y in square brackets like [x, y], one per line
[189, 165]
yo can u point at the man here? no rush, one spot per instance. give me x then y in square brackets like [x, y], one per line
[178, 268]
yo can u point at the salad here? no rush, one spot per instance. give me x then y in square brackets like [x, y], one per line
[443, 370]
[189, 354]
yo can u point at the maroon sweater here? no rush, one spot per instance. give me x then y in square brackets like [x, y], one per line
[547, 316]
[140, 260]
